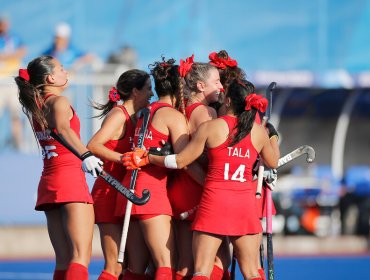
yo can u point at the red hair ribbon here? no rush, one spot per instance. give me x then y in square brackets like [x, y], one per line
[256, 101]
[221, 63]
[23, 73]
[114, 95]
[164, 64]
[185, 66]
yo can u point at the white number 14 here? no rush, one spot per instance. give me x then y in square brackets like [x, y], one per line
[238, 174]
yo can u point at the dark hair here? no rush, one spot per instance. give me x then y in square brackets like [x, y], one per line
[238, 91]
[167, 80]
[128, 80]
[31, 93]
[228, 74]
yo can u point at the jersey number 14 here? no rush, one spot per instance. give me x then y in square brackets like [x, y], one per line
[238, 175]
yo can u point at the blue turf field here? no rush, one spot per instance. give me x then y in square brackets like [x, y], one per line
[286, 268]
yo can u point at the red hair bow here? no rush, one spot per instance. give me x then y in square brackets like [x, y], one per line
[185, 66]
[23, 73]
[256, 101]
[221, 63]
[114, 95]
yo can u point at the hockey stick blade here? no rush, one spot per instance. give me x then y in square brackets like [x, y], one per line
[107, 177]
[125, 191]
[305, 149]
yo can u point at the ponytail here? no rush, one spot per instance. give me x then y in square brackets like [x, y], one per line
[31, 101]
[237, 92]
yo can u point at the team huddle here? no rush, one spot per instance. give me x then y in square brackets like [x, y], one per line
[201, 140]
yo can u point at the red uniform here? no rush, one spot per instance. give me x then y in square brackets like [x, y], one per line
[228, 204]
[151, 177]
[184, 193]
[62, 178]
[103, 194]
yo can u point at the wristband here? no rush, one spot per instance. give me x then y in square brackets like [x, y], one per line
[86, 155]
[170, 161]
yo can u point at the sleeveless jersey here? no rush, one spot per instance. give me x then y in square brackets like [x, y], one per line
[103, 194]
[62, 179]
[228, 204]
[151, 177]
[189, 109]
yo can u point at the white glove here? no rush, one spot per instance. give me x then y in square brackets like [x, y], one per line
[271, 179]
[91, 164]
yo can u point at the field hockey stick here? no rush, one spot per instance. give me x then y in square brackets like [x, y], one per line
[265, 118]
[106, 176]
[145, 114]
[310, 152]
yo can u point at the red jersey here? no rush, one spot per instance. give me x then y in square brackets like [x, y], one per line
[103, 194]
[184, 193]
[228, 204]
[151, 177]
[189, 109]
[62, 179]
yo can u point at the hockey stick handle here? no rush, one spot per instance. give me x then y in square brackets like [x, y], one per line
[106, 176]
[265, 119]
[186, 214]
[260, 177]
[126, 222]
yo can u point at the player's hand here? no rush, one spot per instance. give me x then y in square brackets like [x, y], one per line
[135, 159]
[271, 179]
[91, 164]
[271, 130]
[165, 150]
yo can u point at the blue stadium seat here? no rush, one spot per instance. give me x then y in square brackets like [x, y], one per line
[357, 180]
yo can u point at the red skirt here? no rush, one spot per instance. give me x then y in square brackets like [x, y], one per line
[158, 203]
[62, 181]
[227, 212]
[105, 197]
[184, 194]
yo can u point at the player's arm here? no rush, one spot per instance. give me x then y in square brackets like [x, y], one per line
[179, 132]
[270, 150]
[189, 154]
[113, 127]
[59, 117]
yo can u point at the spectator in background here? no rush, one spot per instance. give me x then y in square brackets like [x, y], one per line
[126, 55]
[12, 52]
[72, 58]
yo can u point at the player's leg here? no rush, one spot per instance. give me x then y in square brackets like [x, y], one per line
[110, 236]
[79, 225]
[138, 253]
[184, 240]
[159, 237]
[247, 253]
[59, 242]
[205, 247]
